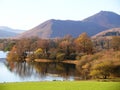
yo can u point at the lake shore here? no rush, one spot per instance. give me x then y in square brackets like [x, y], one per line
[65, 61]
[71, 61]
[43, 60]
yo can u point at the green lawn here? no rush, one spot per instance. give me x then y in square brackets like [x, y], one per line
[59, 85]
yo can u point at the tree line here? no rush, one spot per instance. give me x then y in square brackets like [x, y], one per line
[67, 48]
[98, 58]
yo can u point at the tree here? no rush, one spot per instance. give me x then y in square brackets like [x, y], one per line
[9, 46]
[65, 45]
[60, 56]
[12, 55]
[21, 49]
[44, 45]
[38, 53]
[84, 44]
[101, 70]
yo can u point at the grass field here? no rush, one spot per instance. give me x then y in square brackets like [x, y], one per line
[58, 85]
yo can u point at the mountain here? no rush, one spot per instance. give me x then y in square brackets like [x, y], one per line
[6, 32]
[11, 30]
[59, 28]
[107, 33]
[105, 18]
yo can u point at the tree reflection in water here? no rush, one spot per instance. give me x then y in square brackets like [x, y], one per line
[41, 70]
[55, 69]
[22, 69]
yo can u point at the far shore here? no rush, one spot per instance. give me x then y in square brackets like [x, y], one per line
[64, 61]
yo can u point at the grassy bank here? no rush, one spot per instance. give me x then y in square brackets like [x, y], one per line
[58, 85]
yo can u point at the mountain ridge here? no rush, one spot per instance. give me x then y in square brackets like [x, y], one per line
[6, 32]
[59, 28]
[107, 19]
[92, 25]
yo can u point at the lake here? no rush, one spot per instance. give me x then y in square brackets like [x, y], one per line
[34, 71]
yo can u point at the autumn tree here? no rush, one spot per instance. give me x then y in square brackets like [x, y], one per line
[38, 53]
[84, 44]
[20, 49]
[102, 69]
[12, 55]
[44, 45]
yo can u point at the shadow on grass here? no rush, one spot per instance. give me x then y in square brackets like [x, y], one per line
[108, 80]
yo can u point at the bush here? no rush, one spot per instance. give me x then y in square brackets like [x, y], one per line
[60, 56]
[39, 53]
[79, 55]
[101, 65]
[72, 56]
[52, 56]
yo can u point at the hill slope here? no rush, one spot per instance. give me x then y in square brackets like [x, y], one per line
[59, 28]
[108, 33]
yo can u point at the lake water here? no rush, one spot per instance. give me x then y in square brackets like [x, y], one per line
[22, 72]
[3, 54]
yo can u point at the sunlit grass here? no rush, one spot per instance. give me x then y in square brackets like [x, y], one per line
[59, 85]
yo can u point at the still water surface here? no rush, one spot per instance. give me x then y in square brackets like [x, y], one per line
[21, 72]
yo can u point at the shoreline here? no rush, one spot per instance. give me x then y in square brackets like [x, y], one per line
[43, 60]
[65, 61]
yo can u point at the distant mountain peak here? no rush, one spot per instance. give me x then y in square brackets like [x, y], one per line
[106, 12]
[92, 25]
[107, 19]
[102, 12]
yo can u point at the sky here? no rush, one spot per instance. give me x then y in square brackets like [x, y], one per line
[26, 14]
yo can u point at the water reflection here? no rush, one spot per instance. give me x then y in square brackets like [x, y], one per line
[33, 71]
[43, 70]
[22, 69]
[56, 69]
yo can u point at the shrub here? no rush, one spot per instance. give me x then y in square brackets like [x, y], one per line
[72, 56]
[52, 56]
[60, 56]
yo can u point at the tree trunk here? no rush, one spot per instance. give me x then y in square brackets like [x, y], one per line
[105, 77]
